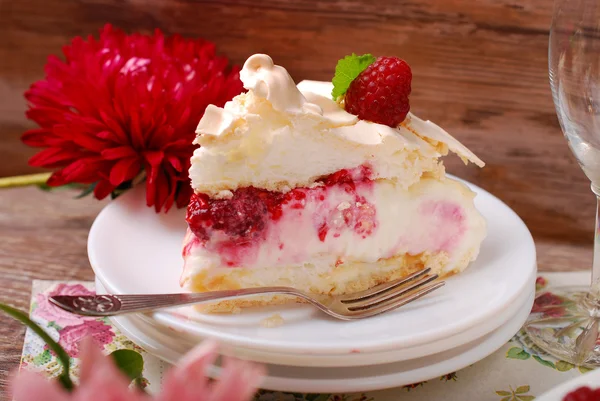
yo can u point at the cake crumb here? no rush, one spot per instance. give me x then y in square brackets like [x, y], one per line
[272, 321]
[225, 194]
[344, 205]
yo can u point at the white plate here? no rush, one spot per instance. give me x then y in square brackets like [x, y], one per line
[353, 359]
[339, 380]
[590, 379]
[134, 250]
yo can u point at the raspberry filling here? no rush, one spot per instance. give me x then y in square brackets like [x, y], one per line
[244, 218]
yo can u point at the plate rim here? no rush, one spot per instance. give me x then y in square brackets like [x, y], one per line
[492, 343]
[168, 320]
[357, 360]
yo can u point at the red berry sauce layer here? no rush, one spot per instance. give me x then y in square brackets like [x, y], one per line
[242, 220]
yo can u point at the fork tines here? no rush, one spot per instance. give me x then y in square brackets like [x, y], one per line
[388, 296]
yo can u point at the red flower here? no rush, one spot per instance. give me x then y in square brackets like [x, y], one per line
[123, 104]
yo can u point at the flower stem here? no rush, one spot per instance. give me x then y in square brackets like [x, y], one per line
[24, 180]
[63, 357]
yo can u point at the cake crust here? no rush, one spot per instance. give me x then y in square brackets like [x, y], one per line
[346, 278]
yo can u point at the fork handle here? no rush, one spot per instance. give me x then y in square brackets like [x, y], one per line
[111, 305]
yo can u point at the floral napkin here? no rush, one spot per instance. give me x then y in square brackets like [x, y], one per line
[517, 372]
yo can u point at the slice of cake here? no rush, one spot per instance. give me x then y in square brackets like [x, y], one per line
[293, 190]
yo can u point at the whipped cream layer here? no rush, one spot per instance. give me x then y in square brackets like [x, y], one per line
[368, 222]
[279, 137]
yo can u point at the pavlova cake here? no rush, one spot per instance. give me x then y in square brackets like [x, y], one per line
[328, 191]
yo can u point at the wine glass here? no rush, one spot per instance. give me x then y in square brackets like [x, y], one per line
[565, 321]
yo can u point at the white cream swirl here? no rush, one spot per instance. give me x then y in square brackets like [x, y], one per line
[278, 136]
[272, 82]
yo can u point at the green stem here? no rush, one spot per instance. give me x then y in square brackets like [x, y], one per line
[24, 180]
[63, 357]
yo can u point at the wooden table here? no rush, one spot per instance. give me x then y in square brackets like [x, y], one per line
[480, 71]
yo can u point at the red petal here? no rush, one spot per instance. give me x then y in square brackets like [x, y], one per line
[172, 182]
[114, 126]
[162, 190]
[184, 193]
[56, 179]
[180, 143]
[175, 162]
[150, 184]
[168, 203]
[84, 139]
[36, 137]
[119, 152]
[53, 157]
[135, 131]
[154, 157]
[108, 135]
[46, 94]
[124, 170]
[85, 171]
[46, 116]
[103, 189]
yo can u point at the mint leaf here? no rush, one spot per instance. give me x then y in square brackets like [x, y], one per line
[129, 362]
[346, 70]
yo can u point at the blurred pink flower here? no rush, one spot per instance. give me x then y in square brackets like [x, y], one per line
[52, 313]
[101, 381]
[238, 380]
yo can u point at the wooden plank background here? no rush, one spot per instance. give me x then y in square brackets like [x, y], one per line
[480, 71]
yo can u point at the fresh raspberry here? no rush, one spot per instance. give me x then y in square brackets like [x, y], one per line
[198, 215]
[380, 92]
[242, 217]
[348, 178]
[583, 394]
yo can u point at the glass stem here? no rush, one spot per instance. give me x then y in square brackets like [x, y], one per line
[596, 262]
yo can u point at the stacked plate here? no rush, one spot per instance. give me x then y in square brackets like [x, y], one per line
[133, 250]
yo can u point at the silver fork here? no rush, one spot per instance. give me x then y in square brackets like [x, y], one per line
[374, 301]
